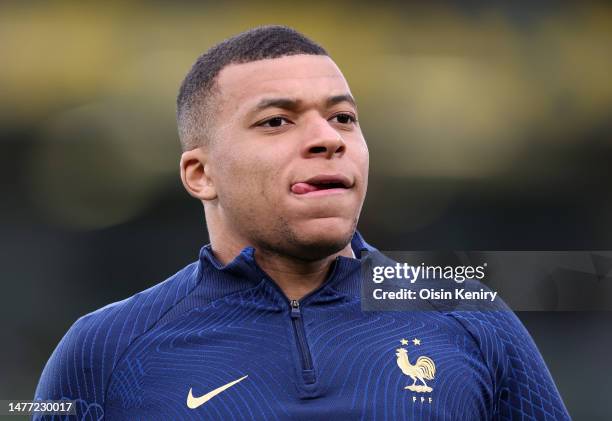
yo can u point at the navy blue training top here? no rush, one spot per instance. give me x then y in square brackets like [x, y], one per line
[218, 342]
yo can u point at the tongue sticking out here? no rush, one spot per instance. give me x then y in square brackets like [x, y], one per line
[303, 188]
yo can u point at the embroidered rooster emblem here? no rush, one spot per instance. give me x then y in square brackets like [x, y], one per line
[423, 369]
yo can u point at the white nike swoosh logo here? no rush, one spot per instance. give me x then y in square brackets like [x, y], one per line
[193, 402]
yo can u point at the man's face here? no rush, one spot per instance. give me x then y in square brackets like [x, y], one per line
[288, 161]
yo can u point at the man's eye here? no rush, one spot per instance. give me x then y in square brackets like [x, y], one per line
[345, 118]
[274, 122]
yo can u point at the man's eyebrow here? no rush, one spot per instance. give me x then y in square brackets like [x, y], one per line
[284, 103]
[336, 99]
[294, 104]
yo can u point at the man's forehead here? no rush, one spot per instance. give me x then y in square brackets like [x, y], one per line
[292, 76]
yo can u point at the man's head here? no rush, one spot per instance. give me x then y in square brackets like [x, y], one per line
[271, 144]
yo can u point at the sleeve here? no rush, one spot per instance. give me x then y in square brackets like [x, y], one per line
[74, 372]
[523, 386]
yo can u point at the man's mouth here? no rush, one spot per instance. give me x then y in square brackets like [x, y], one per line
[330, 183]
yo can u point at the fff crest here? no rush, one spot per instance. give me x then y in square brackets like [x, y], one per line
[423, 369]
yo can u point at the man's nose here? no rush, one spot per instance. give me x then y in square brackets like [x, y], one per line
[323, 140]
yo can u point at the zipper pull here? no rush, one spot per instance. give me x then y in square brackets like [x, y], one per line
[295, 309]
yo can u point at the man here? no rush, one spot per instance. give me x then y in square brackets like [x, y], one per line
[267, 324]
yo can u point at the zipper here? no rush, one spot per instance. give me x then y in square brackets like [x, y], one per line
[297, 321]
[300, 334]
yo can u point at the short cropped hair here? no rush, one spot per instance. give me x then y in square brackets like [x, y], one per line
[195, 116]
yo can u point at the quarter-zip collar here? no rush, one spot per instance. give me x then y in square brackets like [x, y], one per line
[243, 272]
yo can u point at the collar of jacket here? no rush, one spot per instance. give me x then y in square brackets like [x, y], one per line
[243, 273]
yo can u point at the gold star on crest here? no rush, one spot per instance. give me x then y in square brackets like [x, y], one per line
[416, 341]
[404, 341]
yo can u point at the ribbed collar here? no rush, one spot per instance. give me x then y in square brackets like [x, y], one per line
[344, 278]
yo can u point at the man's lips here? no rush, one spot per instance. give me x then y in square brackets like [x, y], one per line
[322, 183]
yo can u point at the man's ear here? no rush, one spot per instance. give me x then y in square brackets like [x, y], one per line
[195, 175]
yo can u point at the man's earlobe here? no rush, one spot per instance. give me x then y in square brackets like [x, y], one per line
[195, 175]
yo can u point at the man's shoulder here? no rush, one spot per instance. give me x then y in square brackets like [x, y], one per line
[498, 322]
[143, 309]
[85, 358]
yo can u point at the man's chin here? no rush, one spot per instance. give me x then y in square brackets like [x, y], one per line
[322, 238]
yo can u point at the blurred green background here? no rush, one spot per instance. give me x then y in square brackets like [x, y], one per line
[489, 127]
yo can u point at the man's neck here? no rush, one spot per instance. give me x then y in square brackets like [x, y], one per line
[295, 277]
